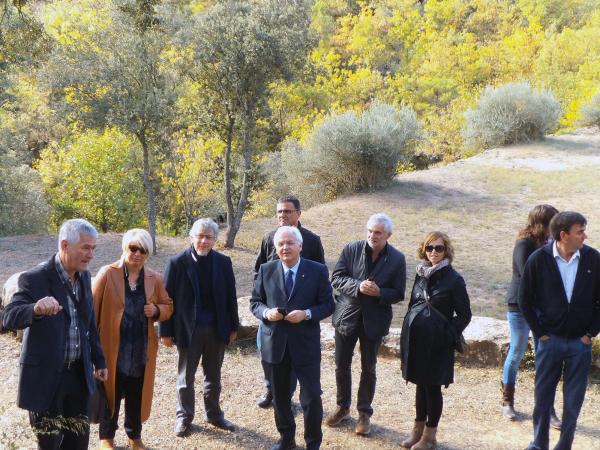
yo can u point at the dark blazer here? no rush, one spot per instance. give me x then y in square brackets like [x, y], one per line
[182, 285]
[427, 341]
[522, 251]
[312, 290]
[311, 248]
[44, 340]
[351, 305]
[543, 300]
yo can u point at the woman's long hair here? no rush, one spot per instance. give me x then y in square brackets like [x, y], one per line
[538, 222]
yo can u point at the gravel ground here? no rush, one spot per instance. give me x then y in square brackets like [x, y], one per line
[471, 418]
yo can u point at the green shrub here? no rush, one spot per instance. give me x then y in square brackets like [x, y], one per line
[590, 112]
[351, 152]
[24, 209]
[511, 114]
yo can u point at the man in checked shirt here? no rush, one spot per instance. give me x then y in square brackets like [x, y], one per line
[61, 351]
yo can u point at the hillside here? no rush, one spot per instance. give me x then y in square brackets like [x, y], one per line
[480, 202]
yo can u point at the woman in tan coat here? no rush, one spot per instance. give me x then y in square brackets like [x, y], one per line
[128, 299]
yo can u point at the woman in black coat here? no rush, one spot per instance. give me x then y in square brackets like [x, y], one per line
[438, 312]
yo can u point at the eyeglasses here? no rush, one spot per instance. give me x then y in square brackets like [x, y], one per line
[208, 237]
[437, 248]
[286, 211]
[135, 248]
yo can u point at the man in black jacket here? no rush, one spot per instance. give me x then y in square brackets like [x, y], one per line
[369, 277]
[61, 351]
[205, 318]
[560, 299]
[288, 214]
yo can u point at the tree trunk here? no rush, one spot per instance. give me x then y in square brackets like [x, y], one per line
[236, 221]
[228, 193]
[149, 189]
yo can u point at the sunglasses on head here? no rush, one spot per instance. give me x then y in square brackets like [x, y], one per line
[134, 248]
[437, 248]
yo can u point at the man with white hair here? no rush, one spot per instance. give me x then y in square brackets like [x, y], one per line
[201, 283]
[369, 277]
[290, 297]
[61, 351]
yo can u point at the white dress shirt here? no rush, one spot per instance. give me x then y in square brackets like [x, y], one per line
[567, 269]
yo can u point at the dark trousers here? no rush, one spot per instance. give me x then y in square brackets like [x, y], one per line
[65, 425]
[207, 347]
[428, 404]
[129, 388]
[293, 377]
[344, 350]
[309, 377]
[555, 356]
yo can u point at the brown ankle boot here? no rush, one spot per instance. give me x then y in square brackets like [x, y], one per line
[427, 441]
[415, 435]
[508, 401]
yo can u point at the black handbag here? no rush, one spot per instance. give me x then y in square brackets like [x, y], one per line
[98, 405]
[460, 344]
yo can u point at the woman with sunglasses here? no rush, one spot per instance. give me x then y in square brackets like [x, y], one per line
[531, 237]
[128, 299]
[438, 312]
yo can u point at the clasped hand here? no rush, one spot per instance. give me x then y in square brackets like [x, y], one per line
[369, 288]
[294, 316]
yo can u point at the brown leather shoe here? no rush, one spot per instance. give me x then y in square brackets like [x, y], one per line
[106, 444]
[136, 444]
[340, 414]
[363, 425]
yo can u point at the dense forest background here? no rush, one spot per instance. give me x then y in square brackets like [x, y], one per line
[153, 113]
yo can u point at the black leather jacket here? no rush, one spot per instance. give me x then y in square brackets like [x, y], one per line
[350, 305]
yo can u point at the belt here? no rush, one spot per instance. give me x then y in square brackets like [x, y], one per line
[75, 364]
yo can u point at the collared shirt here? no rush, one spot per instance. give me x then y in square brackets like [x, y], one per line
[369, 257]
[72, 348]
[567, 269]
[294, 270]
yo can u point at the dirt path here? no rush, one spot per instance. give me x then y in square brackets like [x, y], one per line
[471, 417]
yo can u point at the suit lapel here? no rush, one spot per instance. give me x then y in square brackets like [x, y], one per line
[299, 278]
[189, 268]
[279, 284]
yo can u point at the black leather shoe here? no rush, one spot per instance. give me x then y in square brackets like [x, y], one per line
[222, 423]
[265, 400]
[284, 445]
[182, 429]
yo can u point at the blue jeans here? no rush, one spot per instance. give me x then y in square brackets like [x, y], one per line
[519, 338]
[573, 359]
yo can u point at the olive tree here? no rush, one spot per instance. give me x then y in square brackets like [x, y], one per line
[239, 49]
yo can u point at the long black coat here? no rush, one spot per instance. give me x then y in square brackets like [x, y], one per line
[182, 285]
[45, 338]
[427, 339]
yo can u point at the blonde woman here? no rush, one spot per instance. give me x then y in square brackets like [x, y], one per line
[128, 299]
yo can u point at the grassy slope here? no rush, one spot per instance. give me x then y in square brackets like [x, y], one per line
[480, 202]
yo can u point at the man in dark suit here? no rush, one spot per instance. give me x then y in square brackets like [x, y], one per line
[369, 277]
[205, 319]
[290, 298]
[61, 350]
[288, 214]
[560, 299]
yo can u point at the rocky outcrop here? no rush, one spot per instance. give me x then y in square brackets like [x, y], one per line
[487, 338]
